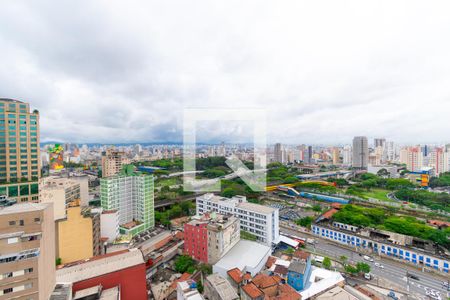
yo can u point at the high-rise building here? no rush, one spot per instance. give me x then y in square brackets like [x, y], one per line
[131, 194]
[112, 162]
[360, 153]
[27, 251]
[379, 142]
[347, 155]
[19, 151]
[335, 156]
[439, 161]
[414, 159]
[278, 153]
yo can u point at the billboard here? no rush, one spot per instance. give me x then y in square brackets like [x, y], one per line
[56, 155]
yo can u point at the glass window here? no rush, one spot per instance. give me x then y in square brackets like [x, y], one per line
[34, 188]
[12, 191]
[24, 190]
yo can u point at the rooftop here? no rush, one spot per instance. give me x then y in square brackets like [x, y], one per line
[319, 281]
[235, 274]
[257, 208]
[10, 100]
[222, 286]
[23, 207]
[252, 291]
[297, 267]
[99, 265]
[244, 253]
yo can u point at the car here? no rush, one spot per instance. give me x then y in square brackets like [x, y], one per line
[368, 276]
[368, 258]
[412, 276]
[445, 283]
[379, 265]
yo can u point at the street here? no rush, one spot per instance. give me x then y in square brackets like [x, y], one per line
[393, 271]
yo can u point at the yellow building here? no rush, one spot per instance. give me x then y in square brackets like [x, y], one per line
[76, 235]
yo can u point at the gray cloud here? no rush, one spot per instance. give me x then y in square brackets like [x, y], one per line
[326, 71]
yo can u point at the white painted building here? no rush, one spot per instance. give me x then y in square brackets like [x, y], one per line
[259, 220]
[352, 236]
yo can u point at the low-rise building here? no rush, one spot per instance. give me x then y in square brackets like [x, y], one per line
[218, 288]
[259, 220]
[187, 290]
[408, 249]
[246, 255]
[122, 269]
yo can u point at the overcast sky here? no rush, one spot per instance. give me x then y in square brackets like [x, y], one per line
[100, 71]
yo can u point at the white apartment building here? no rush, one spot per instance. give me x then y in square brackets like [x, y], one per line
[259, 220]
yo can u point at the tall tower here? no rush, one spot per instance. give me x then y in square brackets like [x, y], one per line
[360, 153]
[278, 153]
[19, 150]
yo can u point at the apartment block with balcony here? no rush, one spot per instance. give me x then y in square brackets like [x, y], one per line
[27, 251]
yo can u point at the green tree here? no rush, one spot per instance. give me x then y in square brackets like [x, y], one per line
[363, 267]
[383, 173]
[326, 263]
[350, 269]
[183, 263]
[317, 208]
[343, 259]
[305, 222]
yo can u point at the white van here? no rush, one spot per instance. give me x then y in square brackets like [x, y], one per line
[368, 258]
[368, 276]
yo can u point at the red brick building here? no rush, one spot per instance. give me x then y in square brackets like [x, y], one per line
[123, 269]
[196, 240]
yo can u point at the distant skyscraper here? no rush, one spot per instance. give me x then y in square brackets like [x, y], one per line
[19, 150]
[379, 142]
[335, 156]
[112, 162]
[414, 159]
[439, 161]
[360, 153]
[308, 157]
[347, 155]
[278, 153]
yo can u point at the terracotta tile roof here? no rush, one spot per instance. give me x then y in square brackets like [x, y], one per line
[247, 276]
[329, 213]
[183, 277]
[277, 278]
[286, 292]
[301, 255]
[252, 291]
[179, 235]
[279, 269]
[263, 281]
[270, 261]
[336, 205]
[235, 274]
[438, 223]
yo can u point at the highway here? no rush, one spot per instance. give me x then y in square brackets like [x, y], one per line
[393, 271]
